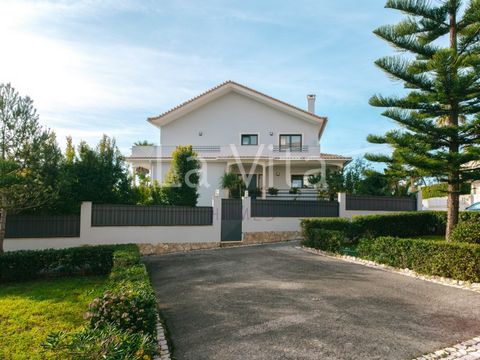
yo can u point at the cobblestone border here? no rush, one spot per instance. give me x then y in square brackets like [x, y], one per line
[407, 272]
[162, 342]
[467, 350]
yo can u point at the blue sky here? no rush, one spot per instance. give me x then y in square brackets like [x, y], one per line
[95, 67]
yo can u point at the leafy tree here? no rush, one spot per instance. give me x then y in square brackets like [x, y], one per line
[439, 114]
[29, 157]
[183, 177]
[99, 175]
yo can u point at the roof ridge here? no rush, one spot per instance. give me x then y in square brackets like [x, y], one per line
[206, 92]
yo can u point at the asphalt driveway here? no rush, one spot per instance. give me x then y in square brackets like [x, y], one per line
[279, 302]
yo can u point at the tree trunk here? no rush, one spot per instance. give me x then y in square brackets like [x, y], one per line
[3, 222]
[453, 208]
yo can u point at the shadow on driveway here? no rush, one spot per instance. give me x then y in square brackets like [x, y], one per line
[279, 302]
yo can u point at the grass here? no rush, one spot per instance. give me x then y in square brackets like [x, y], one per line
[29, 311]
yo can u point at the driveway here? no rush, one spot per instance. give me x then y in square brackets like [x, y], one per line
[279, 302]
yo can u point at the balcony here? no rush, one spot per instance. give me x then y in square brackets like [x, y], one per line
[232, 152]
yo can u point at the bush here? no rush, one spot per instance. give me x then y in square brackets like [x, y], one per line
[129, 302]
[328, 240]
[406, 224]
[108, 343]
[32, 264]
[337, 224]
[272, 191]
[441, 190]
[467, 231]
[122, 322]
[441, 258]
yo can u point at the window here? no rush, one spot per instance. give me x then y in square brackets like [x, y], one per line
[297, 181]
[249, 139]
[290, 142]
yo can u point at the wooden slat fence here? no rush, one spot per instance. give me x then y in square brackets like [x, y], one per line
[42, 226]
[294, 208]
[133, 215]
[380, 203]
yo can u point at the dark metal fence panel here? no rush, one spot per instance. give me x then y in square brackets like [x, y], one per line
[42, 226]
[380, 203]
[133, 215]
[294, 208]
[231, 209]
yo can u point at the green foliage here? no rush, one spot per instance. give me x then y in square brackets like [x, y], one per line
[439, 114]
[31, 310]
[108, 343]
[151, 194]
[328, 240]
[405, 224]
[183, 177]
[143, 143]
[234, 184]
[441, 258]
[99, 175]
[336, 224]
[272, 191]
[441, 190]
[468, 231]
[32, 264]
[127, 307]
[29, 155]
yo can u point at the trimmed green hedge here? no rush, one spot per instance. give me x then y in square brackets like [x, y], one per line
[441, 190]
[328, 240]
[467, 231]
[448, 259]
[336, 224]
[122, 322]
[30, 264]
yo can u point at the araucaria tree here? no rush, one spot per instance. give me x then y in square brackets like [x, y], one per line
[440, 70]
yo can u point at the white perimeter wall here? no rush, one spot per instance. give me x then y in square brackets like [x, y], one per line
[102, 235]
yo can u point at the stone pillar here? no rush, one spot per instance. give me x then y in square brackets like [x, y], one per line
[419, 199]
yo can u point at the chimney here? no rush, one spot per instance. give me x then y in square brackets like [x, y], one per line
[311, 103]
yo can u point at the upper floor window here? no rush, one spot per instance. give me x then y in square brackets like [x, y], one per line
[290, 142]
[249, 139]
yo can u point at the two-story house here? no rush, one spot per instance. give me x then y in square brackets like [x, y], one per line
[233, 128]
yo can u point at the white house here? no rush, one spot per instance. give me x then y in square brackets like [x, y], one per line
[233, 128]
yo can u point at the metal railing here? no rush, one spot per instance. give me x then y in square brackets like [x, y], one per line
[42, 226]
[294, 208]
[133, 215]
[380, 203]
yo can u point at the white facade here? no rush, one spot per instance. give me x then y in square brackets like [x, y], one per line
[286, 140]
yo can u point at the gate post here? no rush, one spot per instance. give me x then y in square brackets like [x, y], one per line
[342, 205]
[217, 214]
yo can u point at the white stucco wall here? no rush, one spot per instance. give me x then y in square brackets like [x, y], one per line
[223, 121]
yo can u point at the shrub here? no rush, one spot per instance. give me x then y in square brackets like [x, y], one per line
[32, 264]
[272, 191]
[448, 259]
[328, 240]
[404, 224]
[106, 343]
[441, 190]
[467, 231]
[337, 224]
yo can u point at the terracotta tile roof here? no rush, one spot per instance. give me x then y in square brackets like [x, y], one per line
[334, 157]
[230, 82]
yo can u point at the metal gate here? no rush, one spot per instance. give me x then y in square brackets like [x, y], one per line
[231, 220]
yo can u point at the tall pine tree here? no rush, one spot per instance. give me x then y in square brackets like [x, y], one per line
[439, 115]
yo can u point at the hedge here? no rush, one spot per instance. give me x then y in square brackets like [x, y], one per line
[466, 231]
[459, 261]
[328, 240]
[405, 224]
[122, 322]
[441, 190]
[32, 264]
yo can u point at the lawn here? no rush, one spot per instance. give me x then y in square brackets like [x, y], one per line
[29, 311]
